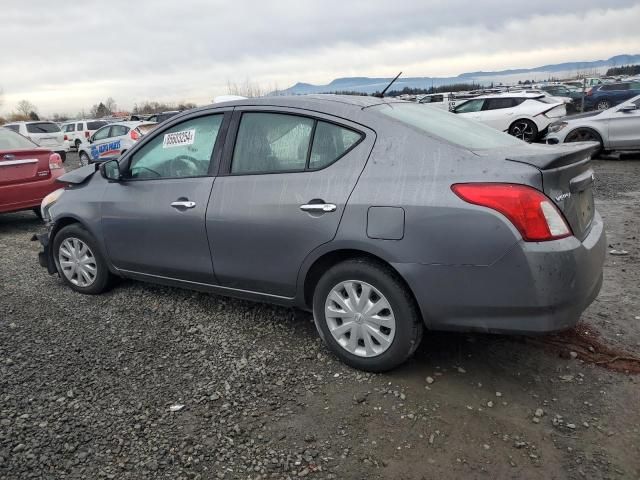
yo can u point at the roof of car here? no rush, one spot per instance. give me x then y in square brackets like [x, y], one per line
[328, 103]
[128, 123]
[510, 95]
[25, 122]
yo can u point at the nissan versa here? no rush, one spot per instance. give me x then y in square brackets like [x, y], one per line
[382, 217]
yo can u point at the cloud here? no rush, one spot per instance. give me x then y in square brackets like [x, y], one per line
[68, 57]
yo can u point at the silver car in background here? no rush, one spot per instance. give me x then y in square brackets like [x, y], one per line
[617, 128]
[381, 217]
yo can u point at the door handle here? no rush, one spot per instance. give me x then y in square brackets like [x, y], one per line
[318, 207]
[183, 204]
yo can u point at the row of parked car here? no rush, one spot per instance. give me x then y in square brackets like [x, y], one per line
[541, 116]
[88, 136]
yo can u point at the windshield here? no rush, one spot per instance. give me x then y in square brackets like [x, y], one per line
[9, 140]
[42, 127]
[448, 126]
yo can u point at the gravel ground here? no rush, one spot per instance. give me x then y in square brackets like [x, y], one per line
[87, 384]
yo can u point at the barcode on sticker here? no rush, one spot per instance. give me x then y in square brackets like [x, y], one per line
[177, 139]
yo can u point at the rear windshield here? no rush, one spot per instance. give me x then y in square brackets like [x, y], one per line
[95, 125]
[9, 140]
[42, 127]
[448, 126]
[547, 100]
[146, 128]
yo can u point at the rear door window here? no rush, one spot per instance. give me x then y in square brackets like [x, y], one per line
[118, 130]
[330, 142]
[42, 127]
[79, 127]
[271, 142]
[15, 128]
[497, 103]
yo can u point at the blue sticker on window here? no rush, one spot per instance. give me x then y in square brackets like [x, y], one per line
[105, 150]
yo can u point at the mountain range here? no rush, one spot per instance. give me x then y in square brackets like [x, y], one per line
[372, 85]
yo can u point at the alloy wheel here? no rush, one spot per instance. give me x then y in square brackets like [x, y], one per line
[360, 318]
[582, 136]
[603, 105]
[77, 262]
[523, 130]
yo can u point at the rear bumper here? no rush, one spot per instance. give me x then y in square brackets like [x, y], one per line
[28, 195]
[534, 288]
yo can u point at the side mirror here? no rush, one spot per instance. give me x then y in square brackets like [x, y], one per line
[628, 108]
[110, 170]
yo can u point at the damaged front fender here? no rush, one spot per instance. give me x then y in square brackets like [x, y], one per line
[45, 257]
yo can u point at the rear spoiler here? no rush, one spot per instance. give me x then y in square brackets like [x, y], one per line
[556, 156]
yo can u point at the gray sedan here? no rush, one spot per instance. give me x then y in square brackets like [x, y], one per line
[617, 128]
[381, 217]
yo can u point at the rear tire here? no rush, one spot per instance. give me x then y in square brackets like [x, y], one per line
[524, 129]
[366, 315]
[79, 260]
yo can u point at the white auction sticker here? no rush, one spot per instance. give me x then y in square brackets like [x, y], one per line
[177, 139]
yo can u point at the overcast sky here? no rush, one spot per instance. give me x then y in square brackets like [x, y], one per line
[64, 56]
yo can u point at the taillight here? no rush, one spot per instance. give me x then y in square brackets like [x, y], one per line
[87, 134]
[589, 92]
[55, 161]
[66, 138]
[135, 135]
[529, 210]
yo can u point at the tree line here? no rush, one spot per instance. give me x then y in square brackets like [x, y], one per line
[624, 70]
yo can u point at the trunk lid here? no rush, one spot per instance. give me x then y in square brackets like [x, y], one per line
[567, 179]
[24, 165]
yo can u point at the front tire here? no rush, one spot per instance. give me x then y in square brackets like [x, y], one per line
[366, 316]
[84, 159]
[524, 129]
[585, 135]
[79, 261]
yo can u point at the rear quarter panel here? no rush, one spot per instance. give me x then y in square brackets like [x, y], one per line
[414, 172]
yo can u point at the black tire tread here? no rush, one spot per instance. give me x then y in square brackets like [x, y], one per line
[417, 324]
[104, 278]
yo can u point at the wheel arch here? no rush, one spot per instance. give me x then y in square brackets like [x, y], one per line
[591, 129]
[70, 219]
[327, 259]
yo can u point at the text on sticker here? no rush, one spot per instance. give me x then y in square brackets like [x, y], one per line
[177, 139]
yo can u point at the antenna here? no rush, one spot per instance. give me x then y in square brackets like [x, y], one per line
[381, 95]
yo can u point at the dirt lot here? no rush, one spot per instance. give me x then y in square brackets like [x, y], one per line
[86, 383]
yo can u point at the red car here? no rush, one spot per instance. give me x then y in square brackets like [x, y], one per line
[27, 173]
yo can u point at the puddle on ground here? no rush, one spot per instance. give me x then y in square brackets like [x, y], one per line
[586, 342]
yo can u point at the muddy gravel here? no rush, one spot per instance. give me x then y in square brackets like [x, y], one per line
[154, 382]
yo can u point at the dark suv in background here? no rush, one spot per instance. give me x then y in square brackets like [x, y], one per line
[607, 95]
